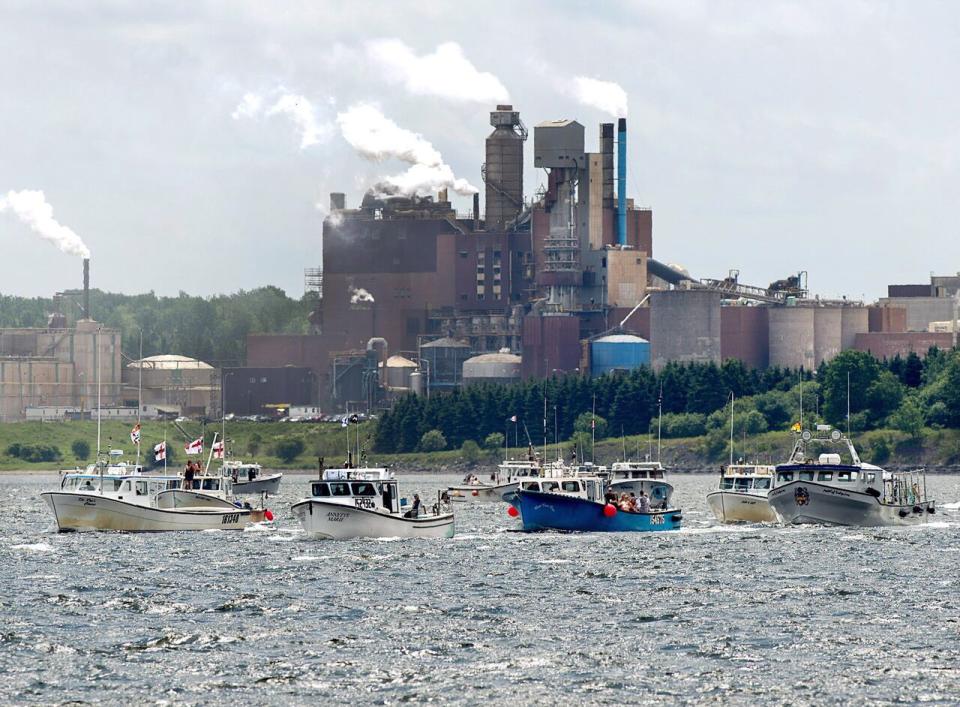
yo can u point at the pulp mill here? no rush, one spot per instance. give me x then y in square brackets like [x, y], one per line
[556, 278]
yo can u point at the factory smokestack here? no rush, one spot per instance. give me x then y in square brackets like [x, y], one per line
[86, 288]
[622, 181]
[476, 212]
[606, 164]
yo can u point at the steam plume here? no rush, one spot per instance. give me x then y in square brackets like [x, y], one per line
[445, 73]
[32, 209]
[603, 95]
[377, 138]
[359, 295]
[297, 108]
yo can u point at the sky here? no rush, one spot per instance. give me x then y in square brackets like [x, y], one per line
[191, 146]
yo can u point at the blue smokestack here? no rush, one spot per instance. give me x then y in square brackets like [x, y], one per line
[622, 181]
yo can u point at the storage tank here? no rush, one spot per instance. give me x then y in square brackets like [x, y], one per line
[501, 368]
[618, 352]
[792, 339]
[399, 370]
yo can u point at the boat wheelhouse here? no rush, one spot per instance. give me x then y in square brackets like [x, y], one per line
[646, 476]
[248, 478]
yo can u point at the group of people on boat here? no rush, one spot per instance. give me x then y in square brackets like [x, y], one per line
[629, 503]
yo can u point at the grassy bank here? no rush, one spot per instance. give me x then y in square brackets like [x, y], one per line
[259, 441]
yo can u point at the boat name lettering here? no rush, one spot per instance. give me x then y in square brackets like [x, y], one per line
[230, 518]
[89, 501]
[335, 517]
[656, 519]
[364, 503]
[835, 492]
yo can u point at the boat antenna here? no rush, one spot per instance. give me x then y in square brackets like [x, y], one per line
[164, 447]
[659, 417]
[801, 399]
[556, 433]
[593, 430]
[139, 394]
[848, 404]
[506, 440]
[544, 421]
[210, 455]
[731, 428]
[99, 411]
[623, 443]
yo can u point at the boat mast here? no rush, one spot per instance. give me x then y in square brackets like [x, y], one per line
[659, 416]
[593, 430]
[97, 358]
[210, 455]
[139, 393]
[848, 404]
[731, 428]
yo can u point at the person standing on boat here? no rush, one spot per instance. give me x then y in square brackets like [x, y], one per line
[644, 502]
[188, 476]
[415, 511]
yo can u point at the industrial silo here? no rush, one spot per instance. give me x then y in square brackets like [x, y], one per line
[618, 352]
[501, 368]
[792, 338]
[399, 370]
[684, 326]
[503, 169]
[444, 362]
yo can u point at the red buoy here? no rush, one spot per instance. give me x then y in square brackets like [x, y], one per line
[512, 511]
[268, 515]
[476, 493]
[609, 510]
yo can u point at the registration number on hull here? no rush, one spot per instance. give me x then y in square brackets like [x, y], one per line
[336, 517]
[230, 519]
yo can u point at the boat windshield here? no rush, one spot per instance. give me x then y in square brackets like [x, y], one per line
[785, 476]
[363, 488]
[763, 483]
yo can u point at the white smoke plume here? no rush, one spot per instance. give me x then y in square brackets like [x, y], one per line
[603, 95]
[377, 138]
[297, 108]
[359, 295]
[446, 73]
[32, 209]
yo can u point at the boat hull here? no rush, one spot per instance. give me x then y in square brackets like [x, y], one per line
[267, 484]
[340, 522]
[809, 502]
[734, 507]
[482, 493]
[552, 511]
[76, 511]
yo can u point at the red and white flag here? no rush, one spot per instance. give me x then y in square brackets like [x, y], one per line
[194, 447]
[218, 450]
[160, 451]
[135, 434]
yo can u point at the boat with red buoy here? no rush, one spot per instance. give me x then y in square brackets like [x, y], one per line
[579, 503]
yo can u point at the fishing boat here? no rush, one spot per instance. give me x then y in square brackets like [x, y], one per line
[742, 494]
[582, 503]
[365, 503]
[503, 482]
[248, 478]
[139, 502]
[832, 490]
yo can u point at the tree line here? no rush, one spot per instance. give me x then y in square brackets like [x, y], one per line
[212, 329]
[907, 394]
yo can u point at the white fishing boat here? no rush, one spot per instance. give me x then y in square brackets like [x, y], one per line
[139, 502]
[365, 503]
[742, 494]
[502, 482]
[831, 489]
[248, 478]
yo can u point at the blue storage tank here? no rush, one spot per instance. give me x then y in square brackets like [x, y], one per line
[618, 352]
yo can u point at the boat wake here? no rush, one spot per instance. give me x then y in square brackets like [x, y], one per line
[34, 547]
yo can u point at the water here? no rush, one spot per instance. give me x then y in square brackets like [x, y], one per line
[712, 614]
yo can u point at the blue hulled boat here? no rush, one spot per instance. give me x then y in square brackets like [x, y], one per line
[556, 510]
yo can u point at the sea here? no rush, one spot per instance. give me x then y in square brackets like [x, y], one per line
[710, 614]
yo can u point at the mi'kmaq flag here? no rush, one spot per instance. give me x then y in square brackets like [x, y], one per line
[194, 447]
[160, 451]
[135, 434]
[218, 450]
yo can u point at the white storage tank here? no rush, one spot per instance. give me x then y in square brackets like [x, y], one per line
[501, 368]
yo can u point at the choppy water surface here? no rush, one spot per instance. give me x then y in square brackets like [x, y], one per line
[710, 614]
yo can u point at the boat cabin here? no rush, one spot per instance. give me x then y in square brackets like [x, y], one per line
[581, 487]
[620, 471]
[239, 471]
[363, 488]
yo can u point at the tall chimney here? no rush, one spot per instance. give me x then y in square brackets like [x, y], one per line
[86, 288]
[606, 164]
[622, 181]
[476, 212]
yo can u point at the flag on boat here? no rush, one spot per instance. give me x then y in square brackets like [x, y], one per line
[344, 422]
[796, 427]
[513, 419]
[160, 451]
[218, 450]
[194, 447]
[355, 419]
[135, 434]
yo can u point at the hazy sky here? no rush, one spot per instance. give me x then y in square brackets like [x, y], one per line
[767, 136]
